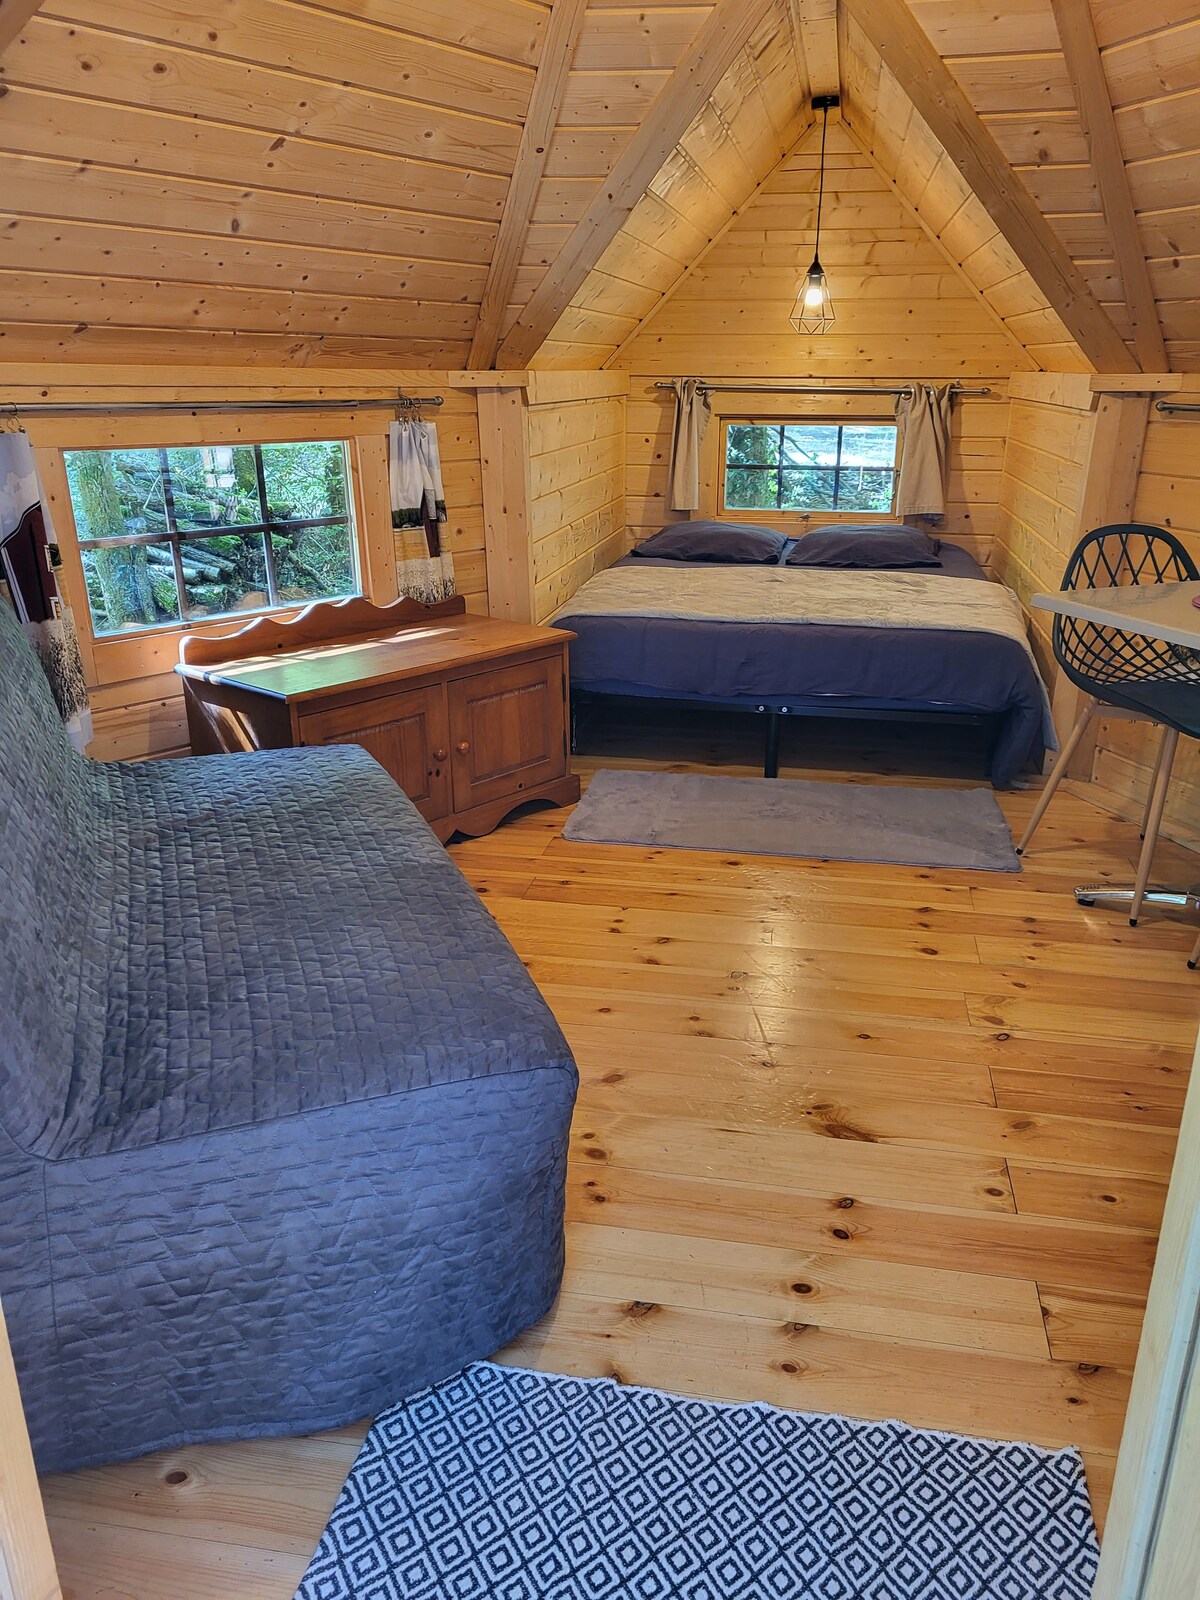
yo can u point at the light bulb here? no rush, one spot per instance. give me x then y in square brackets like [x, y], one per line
[814, 295]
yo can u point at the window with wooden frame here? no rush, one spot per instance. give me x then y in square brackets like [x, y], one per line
[809, 466]
[178, 534]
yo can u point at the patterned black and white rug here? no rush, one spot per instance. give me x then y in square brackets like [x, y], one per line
[501, 1484]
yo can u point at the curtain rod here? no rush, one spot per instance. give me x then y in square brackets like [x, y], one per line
[1175, 405]
[823, 388]
[46, 408]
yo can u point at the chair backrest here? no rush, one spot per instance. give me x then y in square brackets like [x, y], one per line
[1098, 658]
[50, 859]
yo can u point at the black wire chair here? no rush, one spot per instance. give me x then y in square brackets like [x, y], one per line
[1127, 674]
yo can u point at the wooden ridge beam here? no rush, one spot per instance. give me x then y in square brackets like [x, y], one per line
[1085, 66]
[704, 63]
[14, 14]
[541, 119]
[914, 61]
[814, 23]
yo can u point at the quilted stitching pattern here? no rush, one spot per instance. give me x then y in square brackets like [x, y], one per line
[283, 1119]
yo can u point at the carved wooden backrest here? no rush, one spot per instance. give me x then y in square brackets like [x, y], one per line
[323, 622]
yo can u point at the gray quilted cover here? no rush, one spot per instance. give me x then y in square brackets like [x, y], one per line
[282, 1118]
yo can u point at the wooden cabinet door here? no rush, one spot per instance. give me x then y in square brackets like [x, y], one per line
[508, 730]
[408, 734]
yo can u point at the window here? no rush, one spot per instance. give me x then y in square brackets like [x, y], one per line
[179, 534]
[810, 466]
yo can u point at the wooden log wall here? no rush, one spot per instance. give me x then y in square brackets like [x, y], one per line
[577, 444]
[903, 308]
[976, 459]
[1052, 420]
[1168, 495]
[136, 699]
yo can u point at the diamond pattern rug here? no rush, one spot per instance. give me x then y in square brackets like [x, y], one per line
[501, 1484]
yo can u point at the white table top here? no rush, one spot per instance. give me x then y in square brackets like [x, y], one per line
[1158, 610]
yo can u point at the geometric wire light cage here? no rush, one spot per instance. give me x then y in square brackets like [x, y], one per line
[813, 310]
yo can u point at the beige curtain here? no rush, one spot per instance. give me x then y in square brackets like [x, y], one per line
[924, 420]
[692, 416]
[424, 564]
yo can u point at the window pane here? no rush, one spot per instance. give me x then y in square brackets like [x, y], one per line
[214, 486]
[751, 444]
[815, 446]
[116, 492]
[749, 490]
[808, 489]
[869, 447]
[304, 480]
[130, 586]
[203, 497]
[227, 573]
[860, 490]
[314, 563]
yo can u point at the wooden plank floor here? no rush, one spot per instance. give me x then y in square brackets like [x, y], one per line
[885, 1141]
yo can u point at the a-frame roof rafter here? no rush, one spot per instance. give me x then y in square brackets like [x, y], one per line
[14, 14]
[1077, 31]
[545, 102]
[815, 25]
[706, 60]
[917, 66]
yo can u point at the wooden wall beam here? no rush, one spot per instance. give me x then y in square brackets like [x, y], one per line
[26, 1559]
[814, 22]
[507, 519]
[554, 65]
[1110, 480]
[914, 61]
[703, 64]
[14, 14]
[1077, 31]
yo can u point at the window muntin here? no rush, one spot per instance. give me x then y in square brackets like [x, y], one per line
[810, 466]
[183, 533]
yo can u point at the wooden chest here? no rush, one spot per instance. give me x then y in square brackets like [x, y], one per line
[469, 715]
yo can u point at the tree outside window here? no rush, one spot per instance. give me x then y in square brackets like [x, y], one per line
[803, 467]
[182, 533]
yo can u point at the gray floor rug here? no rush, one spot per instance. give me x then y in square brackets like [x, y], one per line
[789, 817]
[502, 1484]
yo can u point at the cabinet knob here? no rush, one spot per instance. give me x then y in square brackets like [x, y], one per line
[463, 746]
[440, 755]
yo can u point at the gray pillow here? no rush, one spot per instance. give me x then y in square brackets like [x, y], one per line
[741, 542]
[869, 544]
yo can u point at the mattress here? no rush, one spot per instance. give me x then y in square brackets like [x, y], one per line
[283, 1120]
[823, 669]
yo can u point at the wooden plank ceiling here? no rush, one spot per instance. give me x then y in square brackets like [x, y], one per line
[330, 181]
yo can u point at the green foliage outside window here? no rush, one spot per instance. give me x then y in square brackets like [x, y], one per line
[805, 467]
[189, 532]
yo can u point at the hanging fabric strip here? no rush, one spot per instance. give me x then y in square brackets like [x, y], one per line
[425, 566]
[924, 421]
[26, 539]
[692, 415]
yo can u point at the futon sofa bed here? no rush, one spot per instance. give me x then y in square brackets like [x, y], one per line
[282, 1118]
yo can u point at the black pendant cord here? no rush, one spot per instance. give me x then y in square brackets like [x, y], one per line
[821, 186]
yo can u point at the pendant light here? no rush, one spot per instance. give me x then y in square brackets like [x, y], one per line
[813, 311]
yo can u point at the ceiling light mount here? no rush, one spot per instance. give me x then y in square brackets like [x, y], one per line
[813, 310]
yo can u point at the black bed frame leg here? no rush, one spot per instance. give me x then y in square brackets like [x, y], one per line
[771, 749]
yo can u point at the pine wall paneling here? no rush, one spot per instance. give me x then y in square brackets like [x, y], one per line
[137, 704]
[577, 487]
[1050, 433]
[1168, 495]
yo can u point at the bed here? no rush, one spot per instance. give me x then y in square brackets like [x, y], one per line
[664, 630]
